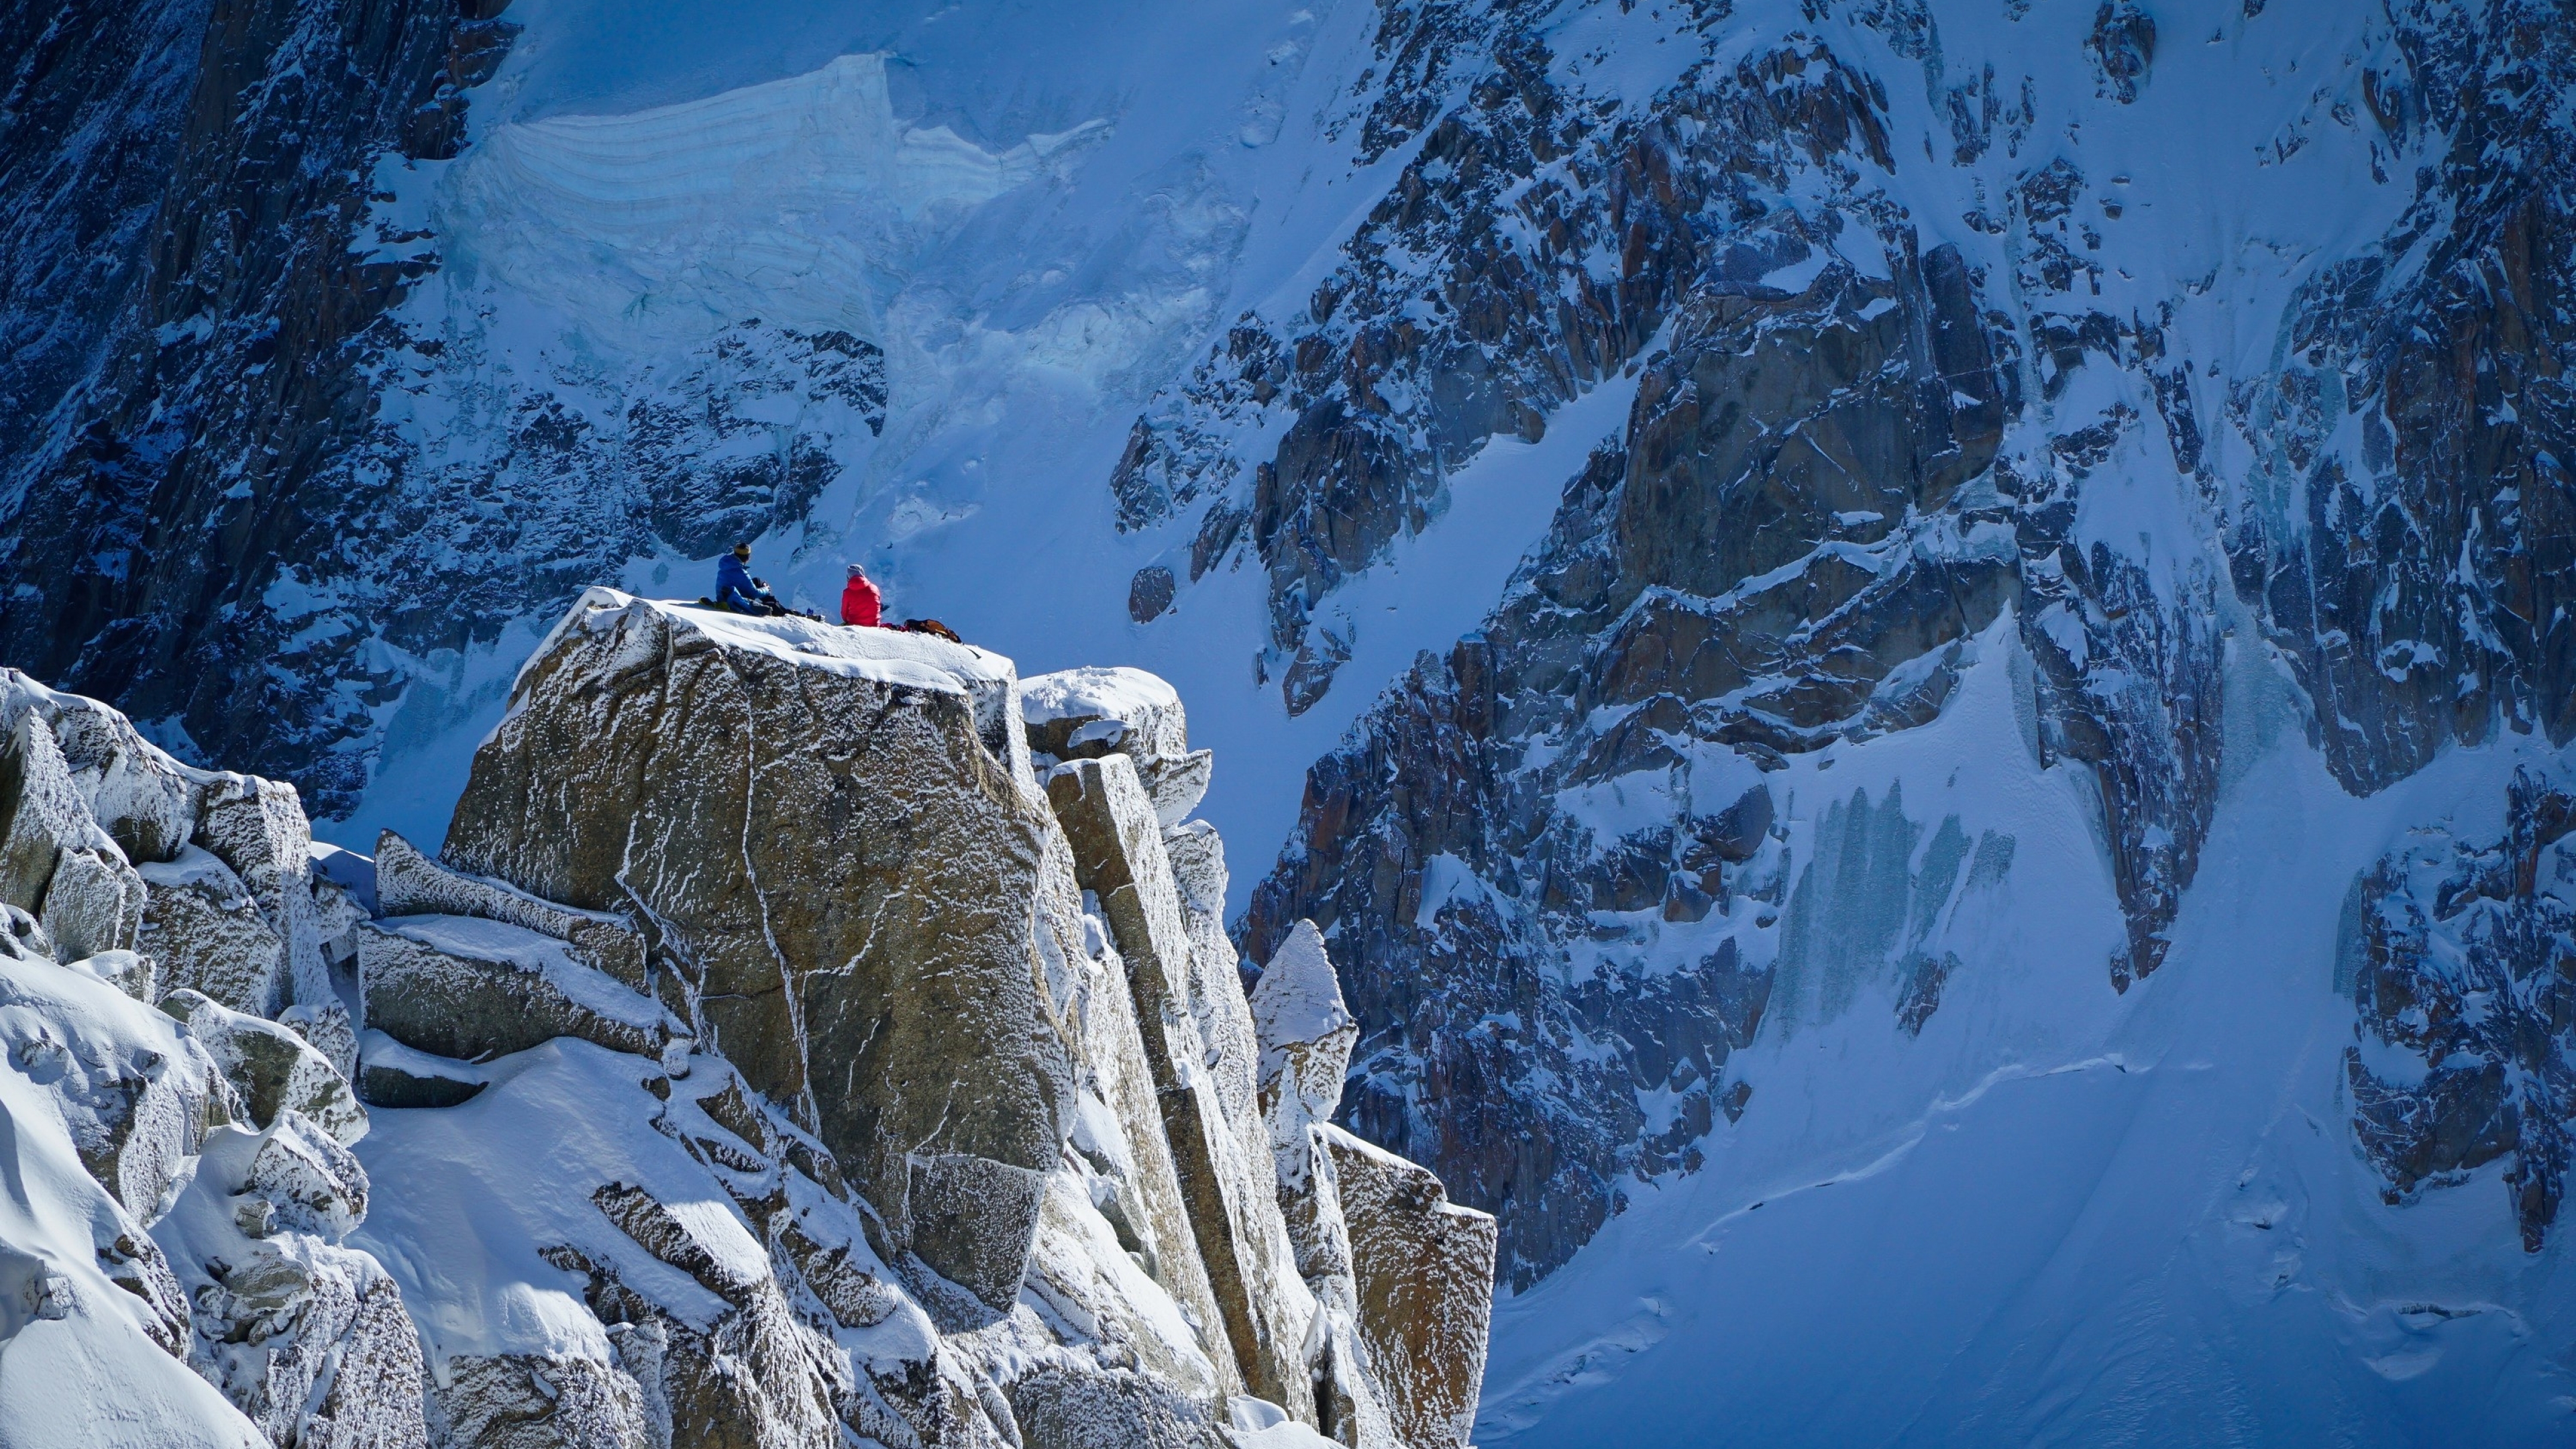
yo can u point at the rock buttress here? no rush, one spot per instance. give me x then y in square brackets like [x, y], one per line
[840, 873]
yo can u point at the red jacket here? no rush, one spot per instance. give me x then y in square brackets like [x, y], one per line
[860, 602]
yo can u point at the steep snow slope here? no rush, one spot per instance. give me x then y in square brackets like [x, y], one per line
[2059, 1216]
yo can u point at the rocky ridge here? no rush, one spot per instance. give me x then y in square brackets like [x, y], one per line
[796, 1038]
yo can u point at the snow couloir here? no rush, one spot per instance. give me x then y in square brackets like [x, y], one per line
[802, 1032]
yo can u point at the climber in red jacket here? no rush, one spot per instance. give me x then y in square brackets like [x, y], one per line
[860, 603]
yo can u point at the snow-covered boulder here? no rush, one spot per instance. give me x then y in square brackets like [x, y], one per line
[201, 924]
[55, 860]
[271, 1069]
[308, 1337]
[1083, 714]
[408, 883]
[92, 1320]
[836, 839]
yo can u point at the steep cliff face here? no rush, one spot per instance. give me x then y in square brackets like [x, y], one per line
[171, 453]
[1856, 448]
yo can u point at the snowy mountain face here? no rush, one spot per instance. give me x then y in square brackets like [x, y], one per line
[1916, 657]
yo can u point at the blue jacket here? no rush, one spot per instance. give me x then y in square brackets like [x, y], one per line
[733, 582]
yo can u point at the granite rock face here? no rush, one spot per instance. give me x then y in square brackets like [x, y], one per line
[841, 860]
[1227, 1181]
[1424, 1267]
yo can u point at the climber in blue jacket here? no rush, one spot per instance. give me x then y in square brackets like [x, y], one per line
[737, 590]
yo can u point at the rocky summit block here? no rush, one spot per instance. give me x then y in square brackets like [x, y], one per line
[832, 838]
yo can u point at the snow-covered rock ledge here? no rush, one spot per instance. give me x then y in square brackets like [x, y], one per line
[802, 1033]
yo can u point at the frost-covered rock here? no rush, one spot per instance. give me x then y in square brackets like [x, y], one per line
[271, 1068]
[462, 987]
[258, 828]
[1230, 1188]
[408, 883]
[94, 904]
[1424, 1267]
[309, 1338]
[136, 1096]
[835, 836]
[200, 923]
[1082, 714]
[55, 860]
[1306, 1035]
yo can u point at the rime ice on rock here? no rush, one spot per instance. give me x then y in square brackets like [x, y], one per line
[1081, 714]
[1231, 1187]
[215, 1140]
[408, 883]
[1306, 1037]
[1424, 1268]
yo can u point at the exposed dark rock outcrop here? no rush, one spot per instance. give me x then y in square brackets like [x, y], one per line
[2462, 956]
[184, 441]
[1855, 457]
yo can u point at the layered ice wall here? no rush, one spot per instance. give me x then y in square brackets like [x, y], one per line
[801, 202]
